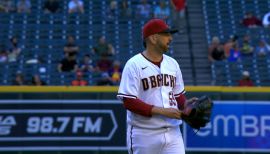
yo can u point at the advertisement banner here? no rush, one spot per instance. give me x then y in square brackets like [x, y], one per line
[62, 125]
[235, 126]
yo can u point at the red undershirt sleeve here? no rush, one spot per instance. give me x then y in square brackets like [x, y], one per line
[181, 99]
[137, 106]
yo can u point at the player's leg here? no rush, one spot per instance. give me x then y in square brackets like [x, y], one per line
[174, 142]
[142, 141]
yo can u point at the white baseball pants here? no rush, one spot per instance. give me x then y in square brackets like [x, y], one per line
[159, 141]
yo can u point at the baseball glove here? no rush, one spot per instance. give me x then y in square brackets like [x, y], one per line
[199, 112]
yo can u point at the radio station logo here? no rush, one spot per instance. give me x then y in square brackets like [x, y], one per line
[6, 123]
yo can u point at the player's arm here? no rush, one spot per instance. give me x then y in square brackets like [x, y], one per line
[139, 107]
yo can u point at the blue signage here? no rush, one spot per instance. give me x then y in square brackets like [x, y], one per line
[234, 126]
[62, 125]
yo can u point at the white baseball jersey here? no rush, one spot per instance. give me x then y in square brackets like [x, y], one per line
[153, 85]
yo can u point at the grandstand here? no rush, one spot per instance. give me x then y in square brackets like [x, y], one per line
[222, 19]
[44, 35]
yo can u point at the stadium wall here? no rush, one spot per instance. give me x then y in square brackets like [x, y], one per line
[91, 120]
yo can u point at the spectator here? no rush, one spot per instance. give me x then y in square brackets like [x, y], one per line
[179, 7]
[216, 50]
[14, 49]
[71, 46]
[143, 10]
[75, 6]
[3, 55]
[104, 64]
[105, 79]
[126, 11]
[79, 81]
[24, 6]
[246, 48]
[245, 81]
[7, 6]
[19, 79]
[229, 44]
[103, 48]
[87, 64]
[112, 9]
[235, 54]
[261, 49]
[251, 21]
[266, 20]
[36, 81]
[51, 6]
[115, 72]
[162, 11]
[178, 13]
[68, 64]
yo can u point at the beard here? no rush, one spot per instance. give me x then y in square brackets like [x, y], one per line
[164, 46]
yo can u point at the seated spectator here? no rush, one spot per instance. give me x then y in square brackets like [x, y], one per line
[3, 55]
[68, 64]
[19, 79]
[87, 64]
[36, 81]
[235, 54]
[216, 50]
[7, 6]
[229, 44]
[79, 81]
[162, 11]
[245, 81]
[115, 72]
[143, 10]
[24, 6]
[75, 6]
[112, 9]
[103, 48]
[246, 48]
[71, 46]
[261, 49]
[105, 79]
[51, 6]
[14, 49]
[251, 21]
[104, 64]
[266, 20]
[126, 11]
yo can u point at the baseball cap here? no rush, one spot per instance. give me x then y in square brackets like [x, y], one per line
[155, 26]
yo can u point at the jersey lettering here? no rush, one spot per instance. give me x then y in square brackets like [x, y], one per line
[166, 83]
[153, 81]
[158, 81]
[172, 80]
[145, 84]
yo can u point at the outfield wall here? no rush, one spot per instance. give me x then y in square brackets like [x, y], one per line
[91, 119]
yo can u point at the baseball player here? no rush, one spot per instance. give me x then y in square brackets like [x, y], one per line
[152, 91]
